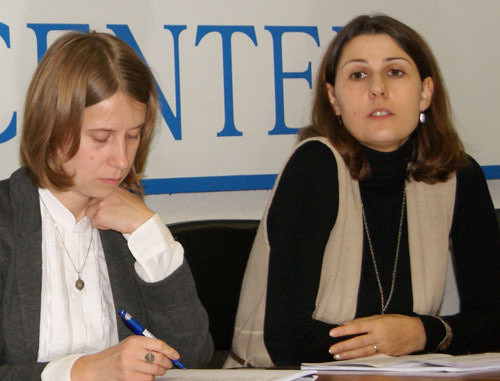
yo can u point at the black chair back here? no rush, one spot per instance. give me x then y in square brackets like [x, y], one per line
[217, 252]
[498, 217]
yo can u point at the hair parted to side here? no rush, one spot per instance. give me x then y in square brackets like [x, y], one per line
[438, 150]
[78, 71]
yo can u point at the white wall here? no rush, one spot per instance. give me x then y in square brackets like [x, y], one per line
[237, 205]
[212, 205]
[494, 186]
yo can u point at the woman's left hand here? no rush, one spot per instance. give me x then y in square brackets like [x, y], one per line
[394, 335]
[122, 211]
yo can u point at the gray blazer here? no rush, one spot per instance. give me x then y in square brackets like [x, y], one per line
[169, 308]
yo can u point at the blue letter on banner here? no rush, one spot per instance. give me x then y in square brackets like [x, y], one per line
[226, 31]
[280, 128]
[173, 121]
[10, 131]
[41, 31]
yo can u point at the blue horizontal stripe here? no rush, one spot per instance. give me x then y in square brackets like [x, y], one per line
[208, 184]
[491, 171]
[237, 182]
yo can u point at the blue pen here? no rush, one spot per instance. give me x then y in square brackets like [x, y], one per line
[138, 329]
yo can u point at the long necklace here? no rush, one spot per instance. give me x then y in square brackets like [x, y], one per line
[79, 284]
[383, 303]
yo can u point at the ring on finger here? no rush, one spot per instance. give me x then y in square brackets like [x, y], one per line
[375, 348]
[149, 357]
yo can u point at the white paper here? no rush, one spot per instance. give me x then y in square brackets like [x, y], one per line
[249, 374]
[414, 363]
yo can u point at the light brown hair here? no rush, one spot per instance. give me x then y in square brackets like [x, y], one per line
[438, 150]
[78, 71]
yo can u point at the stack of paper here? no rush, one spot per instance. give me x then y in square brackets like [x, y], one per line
[414, 363]
[249, 374]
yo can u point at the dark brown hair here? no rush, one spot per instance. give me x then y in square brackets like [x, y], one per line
[78, 71]
[438, 150]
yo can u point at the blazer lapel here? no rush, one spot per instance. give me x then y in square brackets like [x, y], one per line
[123, 280]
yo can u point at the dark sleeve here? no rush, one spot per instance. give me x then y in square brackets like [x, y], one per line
[9, 372]
[434, 332]
[301, 216]
[26, 371]
[176, 316]
[29, 370]
[476, 247]
[12, 372]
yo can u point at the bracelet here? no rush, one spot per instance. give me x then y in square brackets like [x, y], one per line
[445, 343]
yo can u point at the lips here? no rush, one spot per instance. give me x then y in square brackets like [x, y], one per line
[111, 181]
[380, 113]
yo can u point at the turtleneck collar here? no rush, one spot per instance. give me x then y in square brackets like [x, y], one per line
[387, 169]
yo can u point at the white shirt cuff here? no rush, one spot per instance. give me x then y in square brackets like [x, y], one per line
[60, 368]
[156, 251]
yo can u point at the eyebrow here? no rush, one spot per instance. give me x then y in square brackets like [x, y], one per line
[111, 130]
[388, 59]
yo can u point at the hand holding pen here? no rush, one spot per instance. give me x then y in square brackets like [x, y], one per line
[138, 329]
[130, 359]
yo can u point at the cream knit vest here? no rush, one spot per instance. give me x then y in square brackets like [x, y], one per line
[429, 213]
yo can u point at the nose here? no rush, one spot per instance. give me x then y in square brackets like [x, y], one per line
[118, 157]
[378, 86]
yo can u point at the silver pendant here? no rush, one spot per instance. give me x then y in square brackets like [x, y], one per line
[79, 284]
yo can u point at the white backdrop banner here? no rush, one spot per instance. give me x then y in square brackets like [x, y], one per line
[236, 77]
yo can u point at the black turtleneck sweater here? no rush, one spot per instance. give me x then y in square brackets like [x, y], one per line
[301, 216]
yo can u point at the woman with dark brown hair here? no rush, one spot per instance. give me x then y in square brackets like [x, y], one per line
[351, 256]
[77, 242]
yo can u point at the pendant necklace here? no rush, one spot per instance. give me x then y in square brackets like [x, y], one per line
[79, 284]
[384, 304]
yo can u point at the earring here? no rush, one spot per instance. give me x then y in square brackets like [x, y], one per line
[422, 117]
[339, 118]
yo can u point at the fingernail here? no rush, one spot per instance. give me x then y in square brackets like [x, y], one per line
[337, 357]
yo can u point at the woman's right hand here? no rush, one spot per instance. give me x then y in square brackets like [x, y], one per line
[126, 361]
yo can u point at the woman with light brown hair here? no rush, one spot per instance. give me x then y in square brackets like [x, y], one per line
[77, 241]
[351, 255]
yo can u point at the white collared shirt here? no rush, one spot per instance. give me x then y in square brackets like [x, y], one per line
[79, 322]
